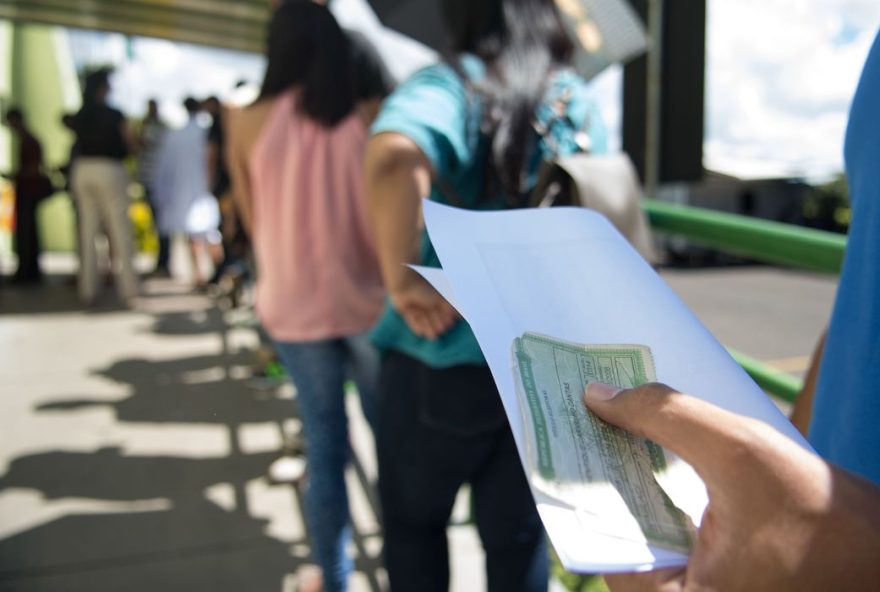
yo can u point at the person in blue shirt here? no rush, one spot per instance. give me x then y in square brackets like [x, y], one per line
[846, 412]
[779, 517]
[462, 132]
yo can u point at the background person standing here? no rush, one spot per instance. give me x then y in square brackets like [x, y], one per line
[100, 186]
[181, 183]
[152, 133]
[31, 186]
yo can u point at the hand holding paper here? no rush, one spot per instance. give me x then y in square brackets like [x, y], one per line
[605, 474]
[565, 272]
[818, 525]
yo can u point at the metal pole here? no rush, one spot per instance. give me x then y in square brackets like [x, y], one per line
[653, 110]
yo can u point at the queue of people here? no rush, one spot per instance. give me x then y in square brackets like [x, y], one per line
[461, 132]
[325, 171]
[180, 170]
[31, 186]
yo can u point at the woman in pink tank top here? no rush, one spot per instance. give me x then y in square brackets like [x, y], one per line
[296, 158]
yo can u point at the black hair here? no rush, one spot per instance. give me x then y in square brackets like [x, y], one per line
[14, 113]
[521, 42]
[95, 83]
[191, 105]
[307, 49]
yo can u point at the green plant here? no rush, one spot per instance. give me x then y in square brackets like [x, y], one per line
[828, 207]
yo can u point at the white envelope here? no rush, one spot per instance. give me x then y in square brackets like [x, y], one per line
[566, 272]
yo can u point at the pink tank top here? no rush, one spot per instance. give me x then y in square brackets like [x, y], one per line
[317, 273]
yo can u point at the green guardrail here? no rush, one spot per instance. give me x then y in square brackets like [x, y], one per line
[777, 383]
[762, 240]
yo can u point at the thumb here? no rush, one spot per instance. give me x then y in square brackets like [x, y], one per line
[700, 433]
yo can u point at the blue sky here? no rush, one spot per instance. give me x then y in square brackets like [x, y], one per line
[780, 76]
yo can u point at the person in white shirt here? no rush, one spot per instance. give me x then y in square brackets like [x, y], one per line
[181, 183]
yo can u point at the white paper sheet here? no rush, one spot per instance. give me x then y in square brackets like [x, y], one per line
[568, 273]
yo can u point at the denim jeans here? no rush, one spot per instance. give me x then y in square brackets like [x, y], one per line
[319, 370]
[439, 429]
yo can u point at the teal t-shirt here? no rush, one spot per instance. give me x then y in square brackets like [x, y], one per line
[436, 111]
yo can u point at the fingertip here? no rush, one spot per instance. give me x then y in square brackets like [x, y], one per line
[597, 392]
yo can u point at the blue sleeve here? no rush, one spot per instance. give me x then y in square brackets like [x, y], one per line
[431, 109]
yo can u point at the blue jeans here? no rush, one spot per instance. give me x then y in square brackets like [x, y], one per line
[440, 429]
[319, 370]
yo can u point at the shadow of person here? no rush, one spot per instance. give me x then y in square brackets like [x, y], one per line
[194, 546]
[194, 390]
[189, 322]
[56, 294]
[107, 474]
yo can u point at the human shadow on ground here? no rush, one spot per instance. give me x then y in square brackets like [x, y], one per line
[190, 547]
[198, 322]
[193, 544]
[56, 294]
[108, 474]
[197, 389]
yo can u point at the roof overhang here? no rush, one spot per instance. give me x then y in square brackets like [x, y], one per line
[230, 24]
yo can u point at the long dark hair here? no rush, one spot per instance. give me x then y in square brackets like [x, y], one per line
[521, 42]
[308, 49]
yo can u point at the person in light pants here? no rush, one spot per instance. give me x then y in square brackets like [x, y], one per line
[99, 183]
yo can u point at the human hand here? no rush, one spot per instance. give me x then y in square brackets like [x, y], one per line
[779, 518]
[426, 312]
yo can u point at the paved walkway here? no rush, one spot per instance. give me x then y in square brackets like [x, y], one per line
[134, 447]
[134, 444]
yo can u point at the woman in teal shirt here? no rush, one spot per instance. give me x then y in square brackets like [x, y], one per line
[461, 132]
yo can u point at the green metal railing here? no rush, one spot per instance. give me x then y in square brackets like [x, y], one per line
[761, 240]
[777, 383]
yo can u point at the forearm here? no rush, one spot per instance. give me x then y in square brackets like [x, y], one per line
[131, 142]
[243, 212]
[236, 156]
[844, 549]
[803, 407]
[397, 176]
[211, 163]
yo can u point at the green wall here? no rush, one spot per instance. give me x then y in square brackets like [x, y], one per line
[42, 82]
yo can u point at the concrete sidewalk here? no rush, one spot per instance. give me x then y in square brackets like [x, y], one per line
[134, 448]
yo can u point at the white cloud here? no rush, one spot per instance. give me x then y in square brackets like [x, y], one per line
[165, 70]
[780, 77]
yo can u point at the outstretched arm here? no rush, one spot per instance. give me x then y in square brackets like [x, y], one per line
[398, 176]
